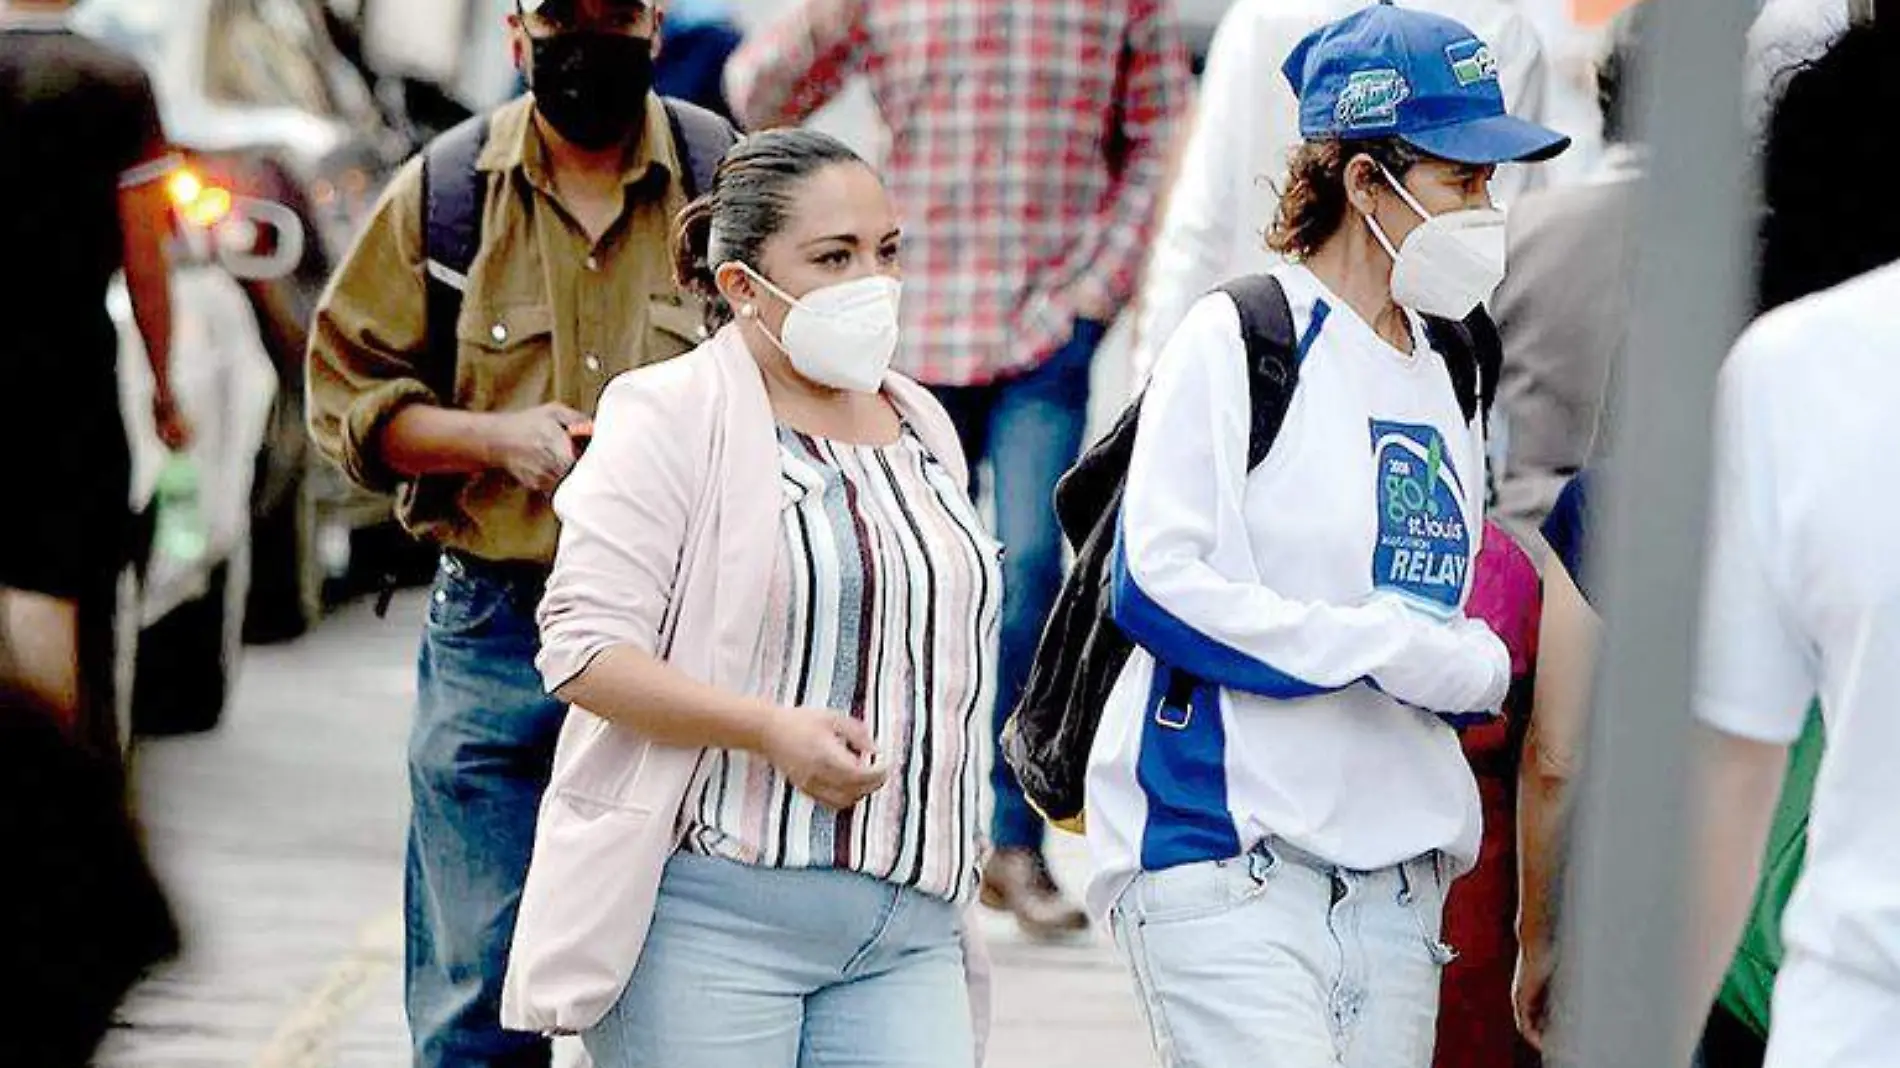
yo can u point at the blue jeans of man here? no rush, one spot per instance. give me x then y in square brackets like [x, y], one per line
[1029, 427]
[479, 759]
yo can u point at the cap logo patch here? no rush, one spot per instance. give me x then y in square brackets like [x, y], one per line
[1472, 62]
[1371, 98]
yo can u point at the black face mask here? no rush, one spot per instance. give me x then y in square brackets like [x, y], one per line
[592, 87]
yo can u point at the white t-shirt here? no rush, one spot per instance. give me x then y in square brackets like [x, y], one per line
[1803, 597]
[1321, 594]
[1247, 123]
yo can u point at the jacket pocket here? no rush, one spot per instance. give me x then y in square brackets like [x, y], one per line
[1424, 894]
[585, 909]
[1198, 891]
[676, 324]
[505, 354]
[462, 606]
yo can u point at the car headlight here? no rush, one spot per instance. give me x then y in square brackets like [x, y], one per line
[198, 202]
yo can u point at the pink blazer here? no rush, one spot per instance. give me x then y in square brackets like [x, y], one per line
[669, 531]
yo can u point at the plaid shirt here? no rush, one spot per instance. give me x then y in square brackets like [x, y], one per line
[1028, 151]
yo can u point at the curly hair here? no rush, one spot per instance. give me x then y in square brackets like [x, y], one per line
[1313, 203]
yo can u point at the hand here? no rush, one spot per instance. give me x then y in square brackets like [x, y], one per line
[536, 447]
[1456, 667]
[174, 430]
[1086, 303]
[1489, 651]
[1530, 995]
[829, 756]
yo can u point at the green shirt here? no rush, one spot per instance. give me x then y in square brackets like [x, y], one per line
[1748, 988]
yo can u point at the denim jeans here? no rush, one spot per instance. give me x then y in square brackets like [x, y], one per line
[1030, 429]
[479, 758]
[749, 967]
[1276, 960]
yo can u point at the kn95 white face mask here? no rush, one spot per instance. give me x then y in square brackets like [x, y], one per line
[840, 336]
[1449, 264]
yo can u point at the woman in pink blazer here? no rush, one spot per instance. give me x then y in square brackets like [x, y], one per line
[774, 611]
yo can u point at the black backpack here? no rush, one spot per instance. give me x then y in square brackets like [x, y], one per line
[453, 191]
[1082, 651]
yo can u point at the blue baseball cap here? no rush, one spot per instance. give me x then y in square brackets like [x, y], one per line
[1425, 79]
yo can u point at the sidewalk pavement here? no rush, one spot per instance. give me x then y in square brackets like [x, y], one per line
[281, 838]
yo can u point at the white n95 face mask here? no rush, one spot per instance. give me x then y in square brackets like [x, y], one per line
[1450, 263]
[841, 336]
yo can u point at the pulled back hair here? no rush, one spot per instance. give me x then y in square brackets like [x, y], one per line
[1313, 204]
[751, 198]
[1817, 229]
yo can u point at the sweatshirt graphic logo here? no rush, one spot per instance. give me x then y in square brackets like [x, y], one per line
[1423, 551]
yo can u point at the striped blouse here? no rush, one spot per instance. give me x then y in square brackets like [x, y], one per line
[884, 604]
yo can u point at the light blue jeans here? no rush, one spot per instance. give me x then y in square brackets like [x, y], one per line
[1277, 960]
[749, 967]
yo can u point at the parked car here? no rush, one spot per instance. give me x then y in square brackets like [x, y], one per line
[182, 611]
[259, 99]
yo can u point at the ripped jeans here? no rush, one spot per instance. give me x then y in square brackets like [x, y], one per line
[1279, 960]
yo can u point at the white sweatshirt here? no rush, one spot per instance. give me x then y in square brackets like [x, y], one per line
[1247, 124]
[1321, 595]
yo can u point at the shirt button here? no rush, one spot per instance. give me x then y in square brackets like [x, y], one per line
[592, 263]
[499, 332]
[593, 362]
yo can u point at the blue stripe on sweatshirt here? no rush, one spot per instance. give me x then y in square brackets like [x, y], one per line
[1182, 771]
[1178, 644]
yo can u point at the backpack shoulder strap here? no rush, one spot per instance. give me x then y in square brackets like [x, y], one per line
[453, 191]
[1474, 356]
[1488, 345]
[702, 138]
[1266, 325]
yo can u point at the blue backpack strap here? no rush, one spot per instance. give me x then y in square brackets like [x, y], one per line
[453, 193]
[1266, 325]
[701, 137]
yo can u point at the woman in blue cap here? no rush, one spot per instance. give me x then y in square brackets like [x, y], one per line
[1273, 842]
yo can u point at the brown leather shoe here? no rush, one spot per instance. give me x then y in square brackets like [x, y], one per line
[1018, 881]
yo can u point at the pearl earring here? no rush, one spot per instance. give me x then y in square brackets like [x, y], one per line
[748, 311]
